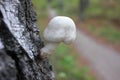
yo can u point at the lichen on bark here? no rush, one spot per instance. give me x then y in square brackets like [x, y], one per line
[19, 35]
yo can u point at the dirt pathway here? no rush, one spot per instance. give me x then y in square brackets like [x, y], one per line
[105, 61]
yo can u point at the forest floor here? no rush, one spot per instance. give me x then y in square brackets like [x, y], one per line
[103, 57]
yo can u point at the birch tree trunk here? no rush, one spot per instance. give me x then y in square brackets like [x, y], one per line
[20, 43]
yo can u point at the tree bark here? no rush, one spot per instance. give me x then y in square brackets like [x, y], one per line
[20, 43]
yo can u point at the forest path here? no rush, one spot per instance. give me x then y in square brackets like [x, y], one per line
[104, 60]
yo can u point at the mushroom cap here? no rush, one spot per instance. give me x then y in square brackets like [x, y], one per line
[60, 29]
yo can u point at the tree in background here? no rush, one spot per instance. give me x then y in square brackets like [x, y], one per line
[49, 2]
[60, 4]
[83, 5]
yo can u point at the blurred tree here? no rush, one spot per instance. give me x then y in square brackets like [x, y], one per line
[83, 5]
[60, 4]
[49, 2]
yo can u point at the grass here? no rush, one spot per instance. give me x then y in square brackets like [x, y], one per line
[108, 32]
[66, 65]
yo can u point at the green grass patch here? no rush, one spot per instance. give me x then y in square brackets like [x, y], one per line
[66, 66]
[108, 32]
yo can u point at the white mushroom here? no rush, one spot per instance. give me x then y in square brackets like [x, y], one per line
[60, 29]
